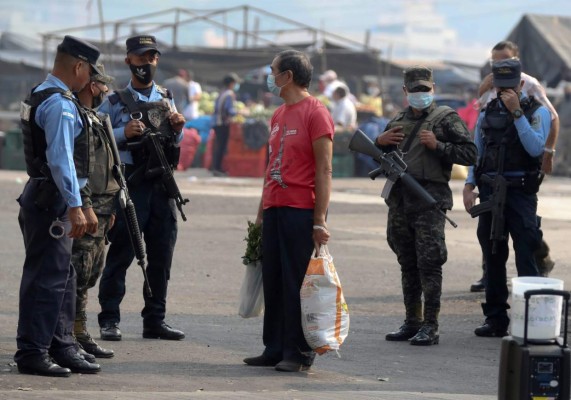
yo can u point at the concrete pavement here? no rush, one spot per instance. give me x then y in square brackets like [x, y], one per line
[203, 295]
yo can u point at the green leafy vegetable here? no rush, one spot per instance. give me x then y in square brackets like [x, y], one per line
[253, 244]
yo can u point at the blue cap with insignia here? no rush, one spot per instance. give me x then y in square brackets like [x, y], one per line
[507, 73]
[141, 44]
[80, 49]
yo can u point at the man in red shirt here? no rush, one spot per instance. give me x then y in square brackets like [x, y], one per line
[293, 209]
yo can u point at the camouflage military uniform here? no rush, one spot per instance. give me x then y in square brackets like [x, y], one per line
[415, 231]
[88, 253]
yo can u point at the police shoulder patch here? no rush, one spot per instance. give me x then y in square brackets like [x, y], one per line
[535, 122]
[68, 114]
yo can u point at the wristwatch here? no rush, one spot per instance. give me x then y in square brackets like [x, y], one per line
[517, 113]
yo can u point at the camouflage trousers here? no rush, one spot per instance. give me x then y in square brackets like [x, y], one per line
[419, 243]
[88, 260]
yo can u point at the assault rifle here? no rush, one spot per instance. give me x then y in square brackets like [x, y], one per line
[495, 205]
[392, 167]
[126, 204]
[497, 202]
[152, 143]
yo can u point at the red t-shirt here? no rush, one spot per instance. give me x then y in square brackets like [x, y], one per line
[290, 174]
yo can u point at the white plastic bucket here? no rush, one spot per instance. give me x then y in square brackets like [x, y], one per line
[544, 315]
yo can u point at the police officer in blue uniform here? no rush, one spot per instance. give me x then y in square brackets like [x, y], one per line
[142, 104]
[510, 135]
[58, 163]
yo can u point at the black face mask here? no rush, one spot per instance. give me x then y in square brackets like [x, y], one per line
[143, 73]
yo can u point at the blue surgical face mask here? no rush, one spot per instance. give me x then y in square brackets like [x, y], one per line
[420, 100]
[236, 86]
[271, 83]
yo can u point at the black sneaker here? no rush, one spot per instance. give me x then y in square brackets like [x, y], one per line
[261, 361]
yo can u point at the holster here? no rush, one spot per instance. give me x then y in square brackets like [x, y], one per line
[46, 194]
[532, 181]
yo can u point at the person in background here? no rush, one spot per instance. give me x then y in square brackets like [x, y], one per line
[224, 110]
[293, 209]
[344, 112]
[178, 86]
[194, 95]
[510, 135]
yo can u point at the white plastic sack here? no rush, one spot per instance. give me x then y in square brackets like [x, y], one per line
[324, 313]
[252, 292]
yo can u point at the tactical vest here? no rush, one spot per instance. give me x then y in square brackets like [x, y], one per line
[424, 164]
[155, 116]
[35, 144]
[101, 181]
[498, 127]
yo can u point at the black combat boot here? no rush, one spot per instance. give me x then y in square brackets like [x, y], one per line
[85, 340]
[480, 284]
[427, 335]
[405, 332]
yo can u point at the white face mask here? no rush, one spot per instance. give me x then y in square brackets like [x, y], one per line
[420, 100]
[271, 83]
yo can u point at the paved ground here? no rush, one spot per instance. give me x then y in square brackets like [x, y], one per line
[203, 297]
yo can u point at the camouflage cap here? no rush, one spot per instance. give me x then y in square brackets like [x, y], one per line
[418, 75]
[101, 76]
[507, 73]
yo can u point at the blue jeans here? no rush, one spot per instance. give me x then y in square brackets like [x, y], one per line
[287, 242]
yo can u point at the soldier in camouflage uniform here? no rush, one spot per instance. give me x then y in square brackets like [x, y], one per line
[88, 253]
[432, 138]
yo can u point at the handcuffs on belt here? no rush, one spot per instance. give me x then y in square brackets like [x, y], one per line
[57, 229]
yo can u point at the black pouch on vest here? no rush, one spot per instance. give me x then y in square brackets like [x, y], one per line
[532, 181]
[46, 195]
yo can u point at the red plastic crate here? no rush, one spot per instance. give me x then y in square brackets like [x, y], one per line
[246, 165]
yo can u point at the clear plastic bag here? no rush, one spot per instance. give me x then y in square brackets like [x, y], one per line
[252, 292]
[324, 312]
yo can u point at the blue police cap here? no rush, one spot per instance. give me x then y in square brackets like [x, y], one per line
[141, 44]
[80, 49]
[507, 73]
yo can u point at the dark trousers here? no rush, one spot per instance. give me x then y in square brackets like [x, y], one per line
[47, 289]
[156, 214]
[522, 224]
[287, 242]
[220, 145]
[418, 241]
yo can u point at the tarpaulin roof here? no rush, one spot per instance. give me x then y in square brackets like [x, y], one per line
[544, 46]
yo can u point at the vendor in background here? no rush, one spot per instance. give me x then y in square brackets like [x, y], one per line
[344, 112]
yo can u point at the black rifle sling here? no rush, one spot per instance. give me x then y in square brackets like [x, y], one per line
[127, 98]
[413, 133]
[433, 118]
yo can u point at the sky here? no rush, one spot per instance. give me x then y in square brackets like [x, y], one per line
[449, 30]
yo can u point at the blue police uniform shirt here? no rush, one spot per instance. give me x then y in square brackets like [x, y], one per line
[60, 120]
[119, 116]
[532, 137]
